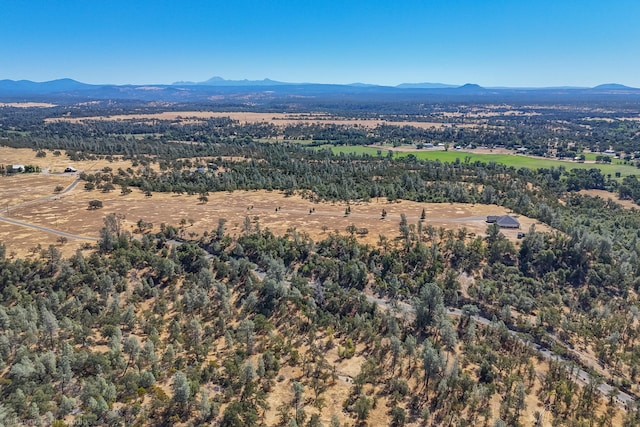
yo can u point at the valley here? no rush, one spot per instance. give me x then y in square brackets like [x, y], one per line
[318, 269]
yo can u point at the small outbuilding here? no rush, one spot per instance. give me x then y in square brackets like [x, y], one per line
[70, 169]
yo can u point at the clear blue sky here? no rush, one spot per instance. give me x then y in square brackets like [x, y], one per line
[488, 42]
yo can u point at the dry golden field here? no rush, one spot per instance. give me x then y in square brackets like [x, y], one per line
[31, 199]
[279, 119]
[51, 164]
[27, 104]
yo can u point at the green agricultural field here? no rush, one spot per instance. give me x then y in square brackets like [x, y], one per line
[355, 149]
[292, 141]
[16, 132]
[517, 161]
[139, 136]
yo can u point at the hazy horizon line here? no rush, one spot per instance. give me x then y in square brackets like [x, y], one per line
[222, 79]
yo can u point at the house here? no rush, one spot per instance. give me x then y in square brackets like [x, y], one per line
[17, 168]
[505, 221]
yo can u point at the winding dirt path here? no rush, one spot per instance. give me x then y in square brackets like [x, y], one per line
[578, 375]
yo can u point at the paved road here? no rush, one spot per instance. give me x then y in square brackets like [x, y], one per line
[44, 199]
[48, 230]
[71, 186]
[578, 375]
[42, 228]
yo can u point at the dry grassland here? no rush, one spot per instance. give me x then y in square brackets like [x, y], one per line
[23, 195]
[69, 213]
[606, 195]
[55, 164]
[27, 104]
[278, 119]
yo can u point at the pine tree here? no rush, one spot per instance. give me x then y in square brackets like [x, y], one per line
[181, 389]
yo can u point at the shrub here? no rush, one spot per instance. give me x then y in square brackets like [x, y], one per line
[95, 204]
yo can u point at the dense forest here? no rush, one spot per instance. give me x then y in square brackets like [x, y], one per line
[154, 329]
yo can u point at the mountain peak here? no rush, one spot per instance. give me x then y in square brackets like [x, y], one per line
[215, 79]
[613, 86]
[470, 86]
[219, 81]
[28, 86]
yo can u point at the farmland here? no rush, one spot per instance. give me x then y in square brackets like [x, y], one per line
[512, 160]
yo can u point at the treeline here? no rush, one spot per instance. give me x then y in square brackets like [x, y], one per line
[543, 130]
[323, 176]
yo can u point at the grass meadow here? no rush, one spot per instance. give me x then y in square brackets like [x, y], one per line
[515, 160]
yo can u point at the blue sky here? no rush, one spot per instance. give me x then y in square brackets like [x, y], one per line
[489, 42]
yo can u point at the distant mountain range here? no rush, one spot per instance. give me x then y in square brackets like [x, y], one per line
[267, 91]
[219, 81]
[425, 86]
[27, 86]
